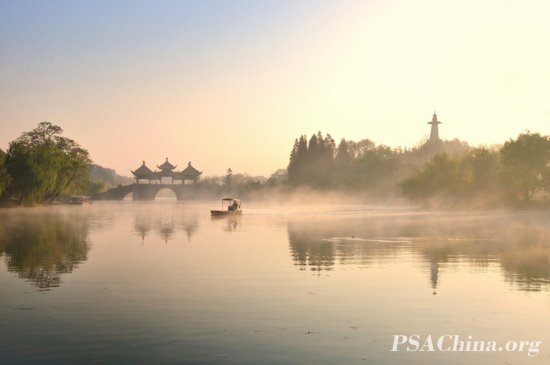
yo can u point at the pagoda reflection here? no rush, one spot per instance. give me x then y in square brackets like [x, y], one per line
[518, 244]
[164, 224]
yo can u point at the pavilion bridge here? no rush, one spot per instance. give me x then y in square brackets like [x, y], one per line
[148, 183]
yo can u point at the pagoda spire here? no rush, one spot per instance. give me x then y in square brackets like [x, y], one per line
[434, 133]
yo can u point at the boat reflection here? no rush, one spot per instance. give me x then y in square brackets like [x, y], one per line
[518, 244]
[41, 247]
[229, 223]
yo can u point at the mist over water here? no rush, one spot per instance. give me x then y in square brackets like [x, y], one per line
[163, 282]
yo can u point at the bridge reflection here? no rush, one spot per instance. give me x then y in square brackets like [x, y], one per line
[164, 224]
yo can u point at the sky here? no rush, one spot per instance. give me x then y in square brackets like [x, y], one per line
[232, 84]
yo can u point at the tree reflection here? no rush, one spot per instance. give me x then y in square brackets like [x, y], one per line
[517, 243]
[526, 257]
[307, 246]
[41, 246]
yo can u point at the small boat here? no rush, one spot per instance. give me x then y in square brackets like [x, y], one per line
[230, 206]
[79, 200]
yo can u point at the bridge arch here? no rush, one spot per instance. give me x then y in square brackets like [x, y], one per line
[166, 192]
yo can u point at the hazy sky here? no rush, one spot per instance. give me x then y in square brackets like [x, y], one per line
[233, 83]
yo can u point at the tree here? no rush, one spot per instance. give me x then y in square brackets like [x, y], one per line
[483, 164]
[377, 167]
[441, 181]
[297, 163]
[279, 176]
[343, 157]
[4, 177]
[96, 187]
[320, 160]
[228, 176]
[358, 149]
[456, 148]
[311, 163]
[525, 162]
[43, 165]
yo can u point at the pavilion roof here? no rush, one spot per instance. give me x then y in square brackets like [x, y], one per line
[190, 171]
[166, 166]
[142, 170]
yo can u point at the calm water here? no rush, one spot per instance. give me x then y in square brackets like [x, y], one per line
[164, 283]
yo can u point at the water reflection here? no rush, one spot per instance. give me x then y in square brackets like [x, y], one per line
[231, 223]
[517, 243]
[164, 222]
[41, 246]
[142, 223]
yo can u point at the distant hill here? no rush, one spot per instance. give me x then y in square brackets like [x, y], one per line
[99, 173]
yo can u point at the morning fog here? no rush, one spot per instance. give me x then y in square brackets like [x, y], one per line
[164, 282]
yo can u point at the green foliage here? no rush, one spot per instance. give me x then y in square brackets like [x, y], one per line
[484, 165]
[96, 187]
[377, 165]
[441, 179]
[446, 181]
[525, 162]
[43, 165]
[4, 177]
[369, 168]
[357, 149]
[439, 172]
[353, 166]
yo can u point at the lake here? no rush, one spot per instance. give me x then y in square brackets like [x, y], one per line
[164, 283]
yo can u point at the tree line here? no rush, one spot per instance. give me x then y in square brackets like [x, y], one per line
[41, 166]
[443, 173]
